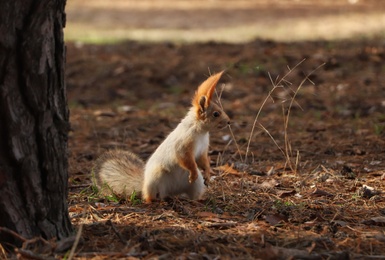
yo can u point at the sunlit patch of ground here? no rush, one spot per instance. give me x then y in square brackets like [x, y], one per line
[220, 20]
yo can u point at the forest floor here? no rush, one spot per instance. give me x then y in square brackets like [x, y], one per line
[301, 174]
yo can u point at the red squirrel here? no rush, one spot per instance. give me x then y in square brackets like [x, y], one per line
[180, 165]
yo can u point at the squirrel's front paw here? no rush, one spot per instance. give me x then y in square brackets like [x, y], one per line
[206, 181]
[206, 178]
[192, 177]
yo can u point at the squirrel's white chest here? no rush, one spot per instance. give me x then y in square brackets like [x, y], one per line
[201, 144]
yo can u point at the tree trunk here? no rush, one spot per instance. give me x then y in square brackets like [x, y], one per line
[34, 120]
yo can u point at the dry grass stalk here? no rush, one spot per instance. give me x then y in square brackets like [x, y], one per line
[280, 83]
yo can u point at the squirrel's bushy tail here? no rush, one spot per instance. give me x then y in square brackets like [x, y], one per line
[119, 172]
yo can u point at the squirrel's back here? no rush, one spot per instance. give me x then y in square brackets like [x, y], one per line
[118, 171]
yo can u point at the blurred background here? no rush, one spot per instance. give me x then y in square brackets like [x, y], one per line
[305, 172]
[106, 21]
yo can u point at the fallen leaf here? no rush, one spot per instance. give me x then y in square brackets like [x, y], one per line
[319, 192]
[285, 193]
[340, 223]
[377, 221]
[206, 214]
[270, 184]
[275, 219]
[228, 169]
[219, 224]
[368, 192]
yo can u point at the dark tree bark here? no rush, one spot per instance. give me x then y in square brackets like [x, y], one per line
[34, 120]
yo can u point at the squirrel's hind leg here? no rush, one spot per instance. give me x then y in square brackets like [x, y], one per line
[149, 193]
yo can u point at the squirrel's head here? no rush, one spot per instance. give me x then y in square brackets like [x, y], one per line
[207, 111]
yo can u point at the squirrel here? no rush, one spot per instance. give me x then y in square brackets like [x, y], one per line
[180, 165]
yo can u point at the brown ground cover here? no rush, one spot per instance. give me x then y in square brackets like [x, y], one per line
[311, 185]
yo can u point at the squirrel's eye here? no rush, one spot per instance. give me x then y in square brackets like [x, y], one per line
[216, 114]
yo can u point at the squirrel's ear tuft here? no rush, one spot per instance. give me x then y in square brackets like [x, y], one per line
[202, 104]
[206, 89]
